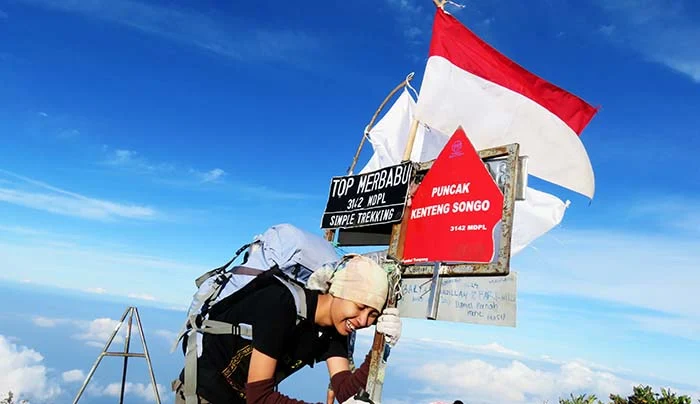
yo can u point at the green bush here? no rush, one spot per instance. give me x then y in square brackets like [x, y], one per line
[582, 399]
[641, 395]
[10, 399]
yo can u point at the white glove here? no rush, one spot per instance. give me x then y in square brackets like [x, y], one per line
[353, 400]
[389, 324]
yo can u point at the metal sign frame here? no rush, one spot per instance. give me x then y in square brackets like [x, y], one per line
[368, 199]
[508, 182]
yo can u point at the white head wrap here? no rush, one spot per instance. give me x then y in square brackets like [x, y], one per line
[361, 280]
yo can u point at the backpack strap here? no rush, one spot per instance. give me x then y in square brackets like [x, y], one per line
[222, 268]
[299, 295]
[209, 327]
[201, 301]
[198, 303]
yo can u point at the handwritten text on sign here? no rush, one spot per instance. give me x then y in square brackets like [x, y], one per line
[476, 300]
[456, 212]
[367, 199]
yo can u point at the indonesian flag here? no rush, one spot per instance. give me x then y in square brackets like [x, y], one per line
[497, 102]
[539, 213]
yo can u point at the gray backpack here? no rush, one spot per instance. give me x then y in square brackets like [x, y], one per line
[295, 252]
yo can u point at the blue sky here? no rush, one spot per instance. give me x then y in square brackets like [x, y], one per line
[144, 142]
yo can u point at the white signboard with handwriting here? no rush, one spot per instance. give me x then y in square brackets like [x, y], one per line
[477, 300]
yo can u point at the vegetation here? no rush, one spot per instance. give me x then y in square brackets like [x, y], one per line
[641, 395]
[10, 399]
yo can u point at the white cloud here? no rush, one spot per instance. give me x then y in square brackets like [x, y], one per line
[45, 237]
[213, 175]
[75, 375]
[46, 322]
[616, 266]
[144, 391]
[676, 212]
[412, 16]
[51, 264]
[141, 296]
[123, 156]
[131, 159]
[492, 348]
[685, 327]
[166, 334]
[662, 32]
[41, 196]
[263, 192]
[22, 371]
[517, 382]
[141, 391]
[228, 37]
[166, 172]
[174, 175]
[608, 29]
[96, 333]
[68, 134]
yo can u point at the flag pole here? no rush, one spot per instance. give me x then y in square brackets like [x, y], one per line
[330, 233]
[380, 352]
[375, 377]
[369, 126]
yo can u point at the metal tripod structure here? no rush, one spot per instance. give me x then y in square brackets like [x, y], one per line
[130, 311]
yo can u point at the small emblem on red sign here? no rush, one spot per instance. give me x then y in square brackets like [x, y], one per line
[456, 212]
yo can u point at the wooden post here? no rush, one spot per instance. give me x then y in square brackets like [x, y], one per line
[375, 378]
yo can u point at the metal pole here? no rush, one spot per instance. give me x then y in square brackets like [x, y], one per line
[375, 379]
[434, 298]
[148, 356]
[374, 118]
[126, 355]
[99, 358]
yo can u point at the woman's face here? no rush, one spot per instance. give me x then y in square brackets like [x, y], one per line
[348, 316]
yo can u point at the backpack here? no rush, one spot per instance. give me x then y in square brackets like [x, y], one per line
[286, 253]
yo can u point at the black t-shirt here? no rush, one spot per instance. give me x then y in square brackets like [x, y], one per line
[223, 367]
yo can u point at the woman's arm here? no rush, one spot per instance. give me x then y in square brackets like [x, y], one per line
[261, 383]
[346, 383]
[275, 319]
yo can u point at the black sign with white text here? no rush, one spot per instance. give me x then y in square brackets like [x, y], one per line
[367, 199]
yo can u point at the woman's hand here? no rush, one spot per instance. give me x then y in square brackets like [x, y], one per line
[389, 324]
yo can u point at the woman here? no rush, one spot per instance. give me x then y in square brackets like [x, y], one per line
[233, 369]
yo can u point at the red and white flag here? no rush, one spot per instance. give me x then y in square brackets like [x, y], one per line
[539, 213]
[469, 83]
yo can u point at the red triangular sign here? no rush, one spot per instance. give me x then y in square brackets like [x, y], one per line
[456, 212]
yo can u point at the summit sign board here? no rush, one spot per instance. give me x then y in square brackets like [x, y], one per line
[457, 211]
[367, 199]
